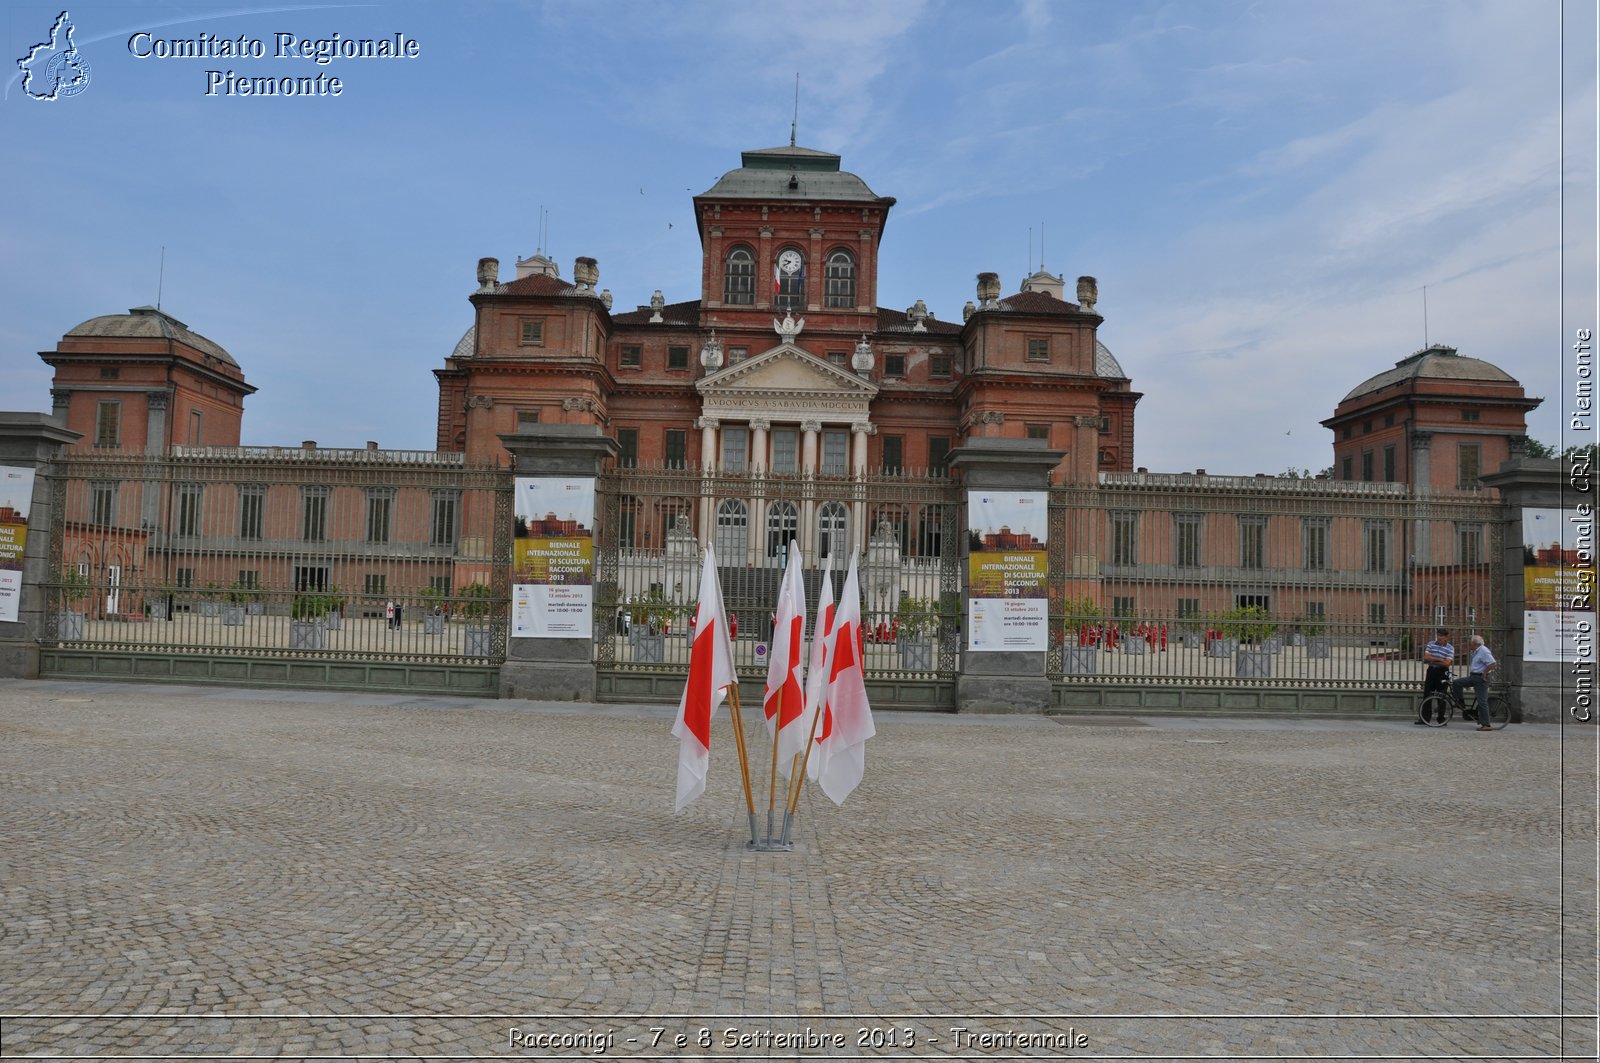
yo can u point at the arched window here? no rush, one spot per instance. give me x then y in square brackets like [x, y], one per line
[783, 524]
[841, 280]
[733, 532]
[739, 278]
[789, 279]
[832, 536]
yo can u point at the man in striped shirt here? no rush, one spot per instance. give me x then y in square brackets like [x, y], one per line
[1439, 654]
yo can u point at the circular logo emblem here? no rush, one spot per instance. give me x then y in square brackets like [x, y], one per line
[67, 74]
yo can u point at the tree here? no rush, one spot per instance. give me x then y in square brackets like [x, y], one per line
[1535, 449]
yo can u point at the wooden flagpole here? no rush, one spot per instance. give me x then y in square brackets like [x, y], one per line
[744, 757]
[777, 731]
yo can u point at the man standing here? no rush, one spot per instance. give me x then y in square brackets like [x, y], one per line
[1439, 654]
[1477, 678]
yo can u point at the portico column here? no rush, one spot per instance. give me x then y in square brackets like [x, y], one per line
[808, 505]
[809, 431]
[858, 473]
[858, 448]
[759, 427]
[708, 442]
[708, 465]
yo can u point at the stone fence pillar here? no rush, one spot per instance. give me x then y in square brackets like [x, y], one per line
[1539, 687]
[1007, 680]
[554, 669]
[31, 441]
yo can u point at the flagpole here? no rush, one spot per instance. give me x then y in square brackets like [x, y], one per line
[744, 760]
[777, 732]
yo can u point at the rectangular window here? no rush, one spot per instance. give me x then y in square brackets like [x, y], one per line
[1317, 611]
[1188, 608]
[184, 578]
[1376, 613]
[375, 584]
[189, 509]
[252, 510]
[735, 449]
[249, 579]
[314, 514]
[939, 365]
[1314, 544]
[1468, 465]
[894, 454]
[1105, 426]
[379, 503]
[1366, 466]
[839, 358]
[102, 503]
[194, 428]
[1469, 415]
[938, 454]
[108, 372]
[632, 356]
[527, 419]
[1039, 350]
[835, 453]
[1252, 541]
[677, 357]
[674, 452]
[737, 354]
[1377, 532]
[1346, 433]
[1186, 539]
[894, 365]
[785, 451]
[1124, 538]
[1122, 607]
[1039, 431]
[1345, 470]
[1388, 464]
[443, 524]
[532, 333]
[108, 424]
[1469, 537]
[627, 447]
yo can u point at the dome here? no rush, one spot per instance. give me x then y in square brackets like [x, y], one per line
[798, 173]
[1436, 362]
[465, 345]
[1105, 363]
[147, 322]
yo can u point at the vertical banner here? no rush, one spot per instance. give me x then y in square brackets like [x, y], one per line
[16, 498]
[552, 594]
[1557, 582]
[1008, 570]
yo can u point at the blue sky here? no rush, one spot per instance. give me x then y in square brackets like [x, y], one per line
[1262, 189]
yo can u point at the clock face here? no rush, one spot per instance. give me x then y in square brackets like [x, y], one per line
[789, 261]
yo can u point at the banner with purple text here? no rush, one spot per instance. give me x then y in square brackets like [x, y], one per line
[552, 575]
[1008, 570]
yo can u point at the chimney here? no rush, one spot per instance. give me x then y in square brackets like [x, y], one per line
[372, 444]
[309, 444]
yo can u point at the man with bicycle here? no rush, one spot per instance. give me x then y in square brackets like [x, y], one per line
[1439, 655]
[1477, 678]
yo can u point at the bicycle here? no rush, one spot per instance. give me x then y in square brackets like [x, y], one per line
[1439, 706]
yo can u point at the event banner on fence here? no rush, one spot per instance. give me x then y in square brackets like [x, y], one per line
[16, 498]
[1557, 582]
[552, 594]
[1008, 570]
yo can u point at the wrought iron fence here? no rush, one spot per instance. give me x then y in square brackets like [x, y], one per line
[655, 520]
[282, 552]
[1265, 580]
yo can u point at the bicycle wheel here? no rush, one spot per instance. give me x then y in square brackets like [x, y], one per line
[1435, 710]
[1499, 711]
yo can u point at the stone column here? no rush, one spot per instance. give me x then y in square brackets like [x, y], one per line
[708, 442]
[810, 430]
[1009, 680]
[858, 472]
[1541, 689]
[759, 426]
[155, 442]
[32, 441]
[554, 669]
[808, 467]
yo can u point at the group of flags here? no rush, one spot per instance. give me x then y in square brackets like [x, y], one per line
[815, 703]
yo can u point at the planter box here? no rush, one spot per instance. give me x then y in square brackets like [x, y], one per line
[158, 610]
[209, 608]
[1296, 639]
[433, 624]
[233, 616]
[255, 608]
[1190, 642]
[1080, 660]
[1222, 647]
[1253, 662]
[307, 635]
[333, 621]
[479, 642]
[1319, 646]
[916, 655]
[1136, 644]
[648, 648]
[1272, 645]
[70, 627]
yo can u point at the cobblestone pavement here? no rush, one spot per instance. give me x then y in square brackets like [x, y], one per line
[201, 872]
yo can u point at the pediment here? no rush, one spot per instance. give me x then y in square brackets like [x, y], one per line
[786, 371]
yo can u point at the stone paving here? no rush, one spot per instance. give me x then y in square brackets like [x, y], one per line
[198, 873]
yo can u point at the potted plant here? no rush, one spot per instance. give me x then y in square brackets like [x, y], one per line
[651, 617]
[159, 600]
[433, 618]
[1252, 627]
[208, 599]
[915, 624]
[74, 590]
[307, 614]
[237, 598]
[1319, 646]
[1080, 652]
[477, 601]
[333, 620]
